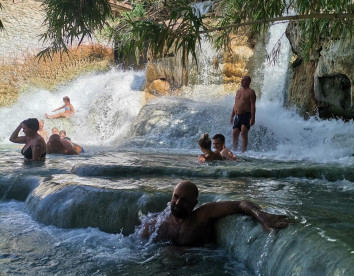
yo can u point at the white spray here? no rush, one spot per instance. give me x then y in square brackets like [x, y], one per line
[105, 106]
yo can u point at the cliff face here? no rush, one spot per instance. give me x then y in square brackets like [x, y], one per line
[220, 70]
[324, 84]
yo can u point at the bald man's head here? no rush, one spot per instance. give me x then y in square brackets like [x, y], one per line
[188, 186]
[184, 199]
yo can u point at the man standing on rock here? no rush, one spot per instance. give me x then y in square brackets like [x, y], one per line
[243, 113]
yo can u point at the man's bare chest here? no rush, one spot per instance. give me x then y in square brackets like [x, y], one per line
[187, 234]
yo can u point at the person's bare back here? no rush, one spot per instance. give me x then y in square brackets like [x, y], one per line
[60, 146]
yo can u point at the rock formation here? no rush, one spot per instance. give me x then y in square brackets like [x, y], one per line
[324, 84]
[224, 69]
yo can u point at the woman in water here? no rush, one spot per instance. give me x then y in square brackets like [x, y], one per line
[35, 146]
[205, 146]
[68, 110]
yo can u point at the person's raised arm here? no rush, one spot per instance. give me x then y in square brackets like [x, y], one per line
[14, 138]
[233, 113]
[59, 108]
[214, 210]
[253, 108]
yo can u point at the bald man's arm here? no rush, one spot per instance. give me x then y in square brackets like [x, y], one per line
[214, 210]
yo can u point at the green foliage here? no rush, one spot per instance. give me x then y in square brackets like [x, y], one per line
[70, 21]
[159, 29]
[138, 30]
[122, 34]
[315, 30]
[171, 25]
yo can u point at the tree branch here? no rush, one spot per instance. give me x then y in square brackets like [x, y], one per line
[284, 18]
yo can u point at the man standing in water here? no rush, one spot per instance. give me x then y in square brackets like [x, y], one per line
[243, 113]
[187, 226]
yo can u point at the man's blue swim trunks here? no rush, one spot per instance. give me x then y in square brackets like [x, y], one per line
[243, 119]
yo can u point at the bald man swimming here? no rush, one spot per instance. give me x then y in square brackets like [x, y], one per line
[187, 226]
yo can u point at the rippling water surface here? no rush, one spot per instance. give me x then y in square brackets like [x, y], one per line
[81, 215]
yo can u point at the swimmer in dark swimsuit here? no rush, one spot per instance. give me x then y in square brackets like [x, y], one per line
[35, 146]
[243, 114]
[28, 153]
[68, 110]
[242, 119]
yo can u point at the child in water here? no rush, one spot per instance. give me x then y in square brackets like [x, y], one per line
[42, 132]
[205, 146]
[68, 110]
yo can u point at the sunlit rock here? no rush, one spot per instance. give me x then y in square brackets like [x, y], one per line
[159, 87]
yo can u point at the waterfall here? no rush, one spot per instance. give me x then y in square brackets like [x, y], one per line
[106, 104]
[109, 110]
[279, 133]
[205, 76]
[276, 67]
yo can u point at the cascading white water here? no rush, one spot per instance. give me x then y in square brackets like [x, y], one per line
[279, 133]
[105, 104]
[276, 68]
[108, 104]
[296, 138]
[205, 76]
